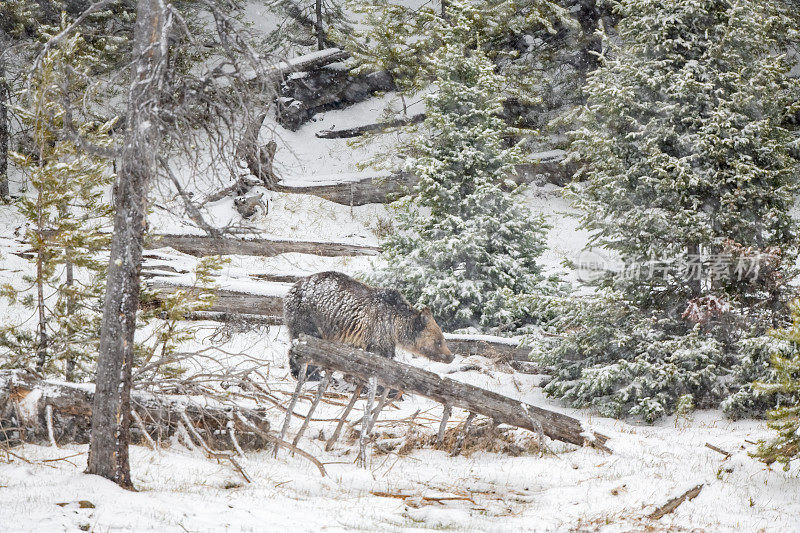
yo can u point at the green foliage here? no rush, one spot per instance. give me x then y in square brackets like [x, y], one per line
[65, 215]
[402, 40]
[785, 385]
[298, 27]
[163, 317]
[687, 151]
[464, 246]
[18, 18]
[683, 147]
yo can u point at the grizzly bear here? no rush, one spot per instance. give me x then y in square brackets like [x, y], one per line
[335, 307]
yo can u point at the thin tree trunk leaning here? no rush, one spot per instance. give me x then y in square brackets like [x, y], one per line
[319, 27]
[409, 379]
[108, 450]
[24, 399]
[205, 245]
[4, 133]
[258, 158]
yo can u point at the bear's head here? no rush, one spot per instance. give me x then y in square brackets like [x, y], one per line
[427, 338]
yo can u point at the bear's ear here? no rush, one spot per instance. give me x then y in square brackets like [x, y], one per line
[427, 312]
[391, 297]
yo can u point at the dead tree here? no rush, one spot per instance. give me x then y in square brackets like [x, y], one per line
[108, 450]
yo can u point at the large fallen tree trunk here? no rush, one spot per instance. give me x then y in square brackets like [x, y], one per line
[36, 410]
[386, 188]
[233, 303]
[389, 373]
[205, 245]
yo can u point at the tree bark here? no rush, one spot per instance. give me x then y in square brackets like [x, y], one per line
[319, 27]
[110, 435]
[4, 135]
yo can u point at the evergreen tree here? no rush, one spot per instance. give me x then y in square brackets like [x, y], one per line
[65, 215]
[309, 22]
[464, 246]
[402, 40]
[785, 418]
[689, 182]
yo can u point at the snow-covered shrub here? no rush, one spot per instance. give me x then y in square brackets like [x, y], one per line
[689, 180]
[465, 244]
[784, 382]
[64, 217]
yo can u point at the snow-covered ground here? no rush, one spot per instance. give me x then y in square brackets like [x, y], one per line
[566, 489]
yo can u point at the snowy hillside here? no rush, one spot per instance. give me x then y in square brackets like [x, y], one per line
[565, 488]
[663, 196]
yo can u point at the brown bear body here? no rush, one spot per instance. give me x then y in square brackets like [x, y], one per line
[335, 307]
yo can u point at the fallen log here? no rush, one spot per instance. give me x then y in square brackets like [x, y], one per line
[348, 133]
[204, 245]
[309, 61]
[389, 373]
[493, 349]
[674, 503]
[26, 404]
[386, 188]
[231, 302]
[375, 189]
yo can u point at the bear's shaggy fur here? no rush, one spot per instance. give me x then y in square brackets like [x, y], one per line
[335, 307]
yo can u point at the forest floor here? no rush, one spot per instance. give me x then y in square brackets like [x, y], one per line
[419, 489]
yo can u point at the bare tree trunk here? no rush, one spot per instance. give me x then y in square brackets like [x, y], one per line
[695, 272]
[69, 373]
[319, 27]
[108, 449]
[41, 346]
[4, 135]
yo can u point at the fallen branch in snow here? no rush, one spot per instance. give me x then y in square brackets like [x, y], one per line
[347, 133]
[283, 444]
[673, 504]
[718, 450]
[498, 349]
[389, 373]
[434, 499]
